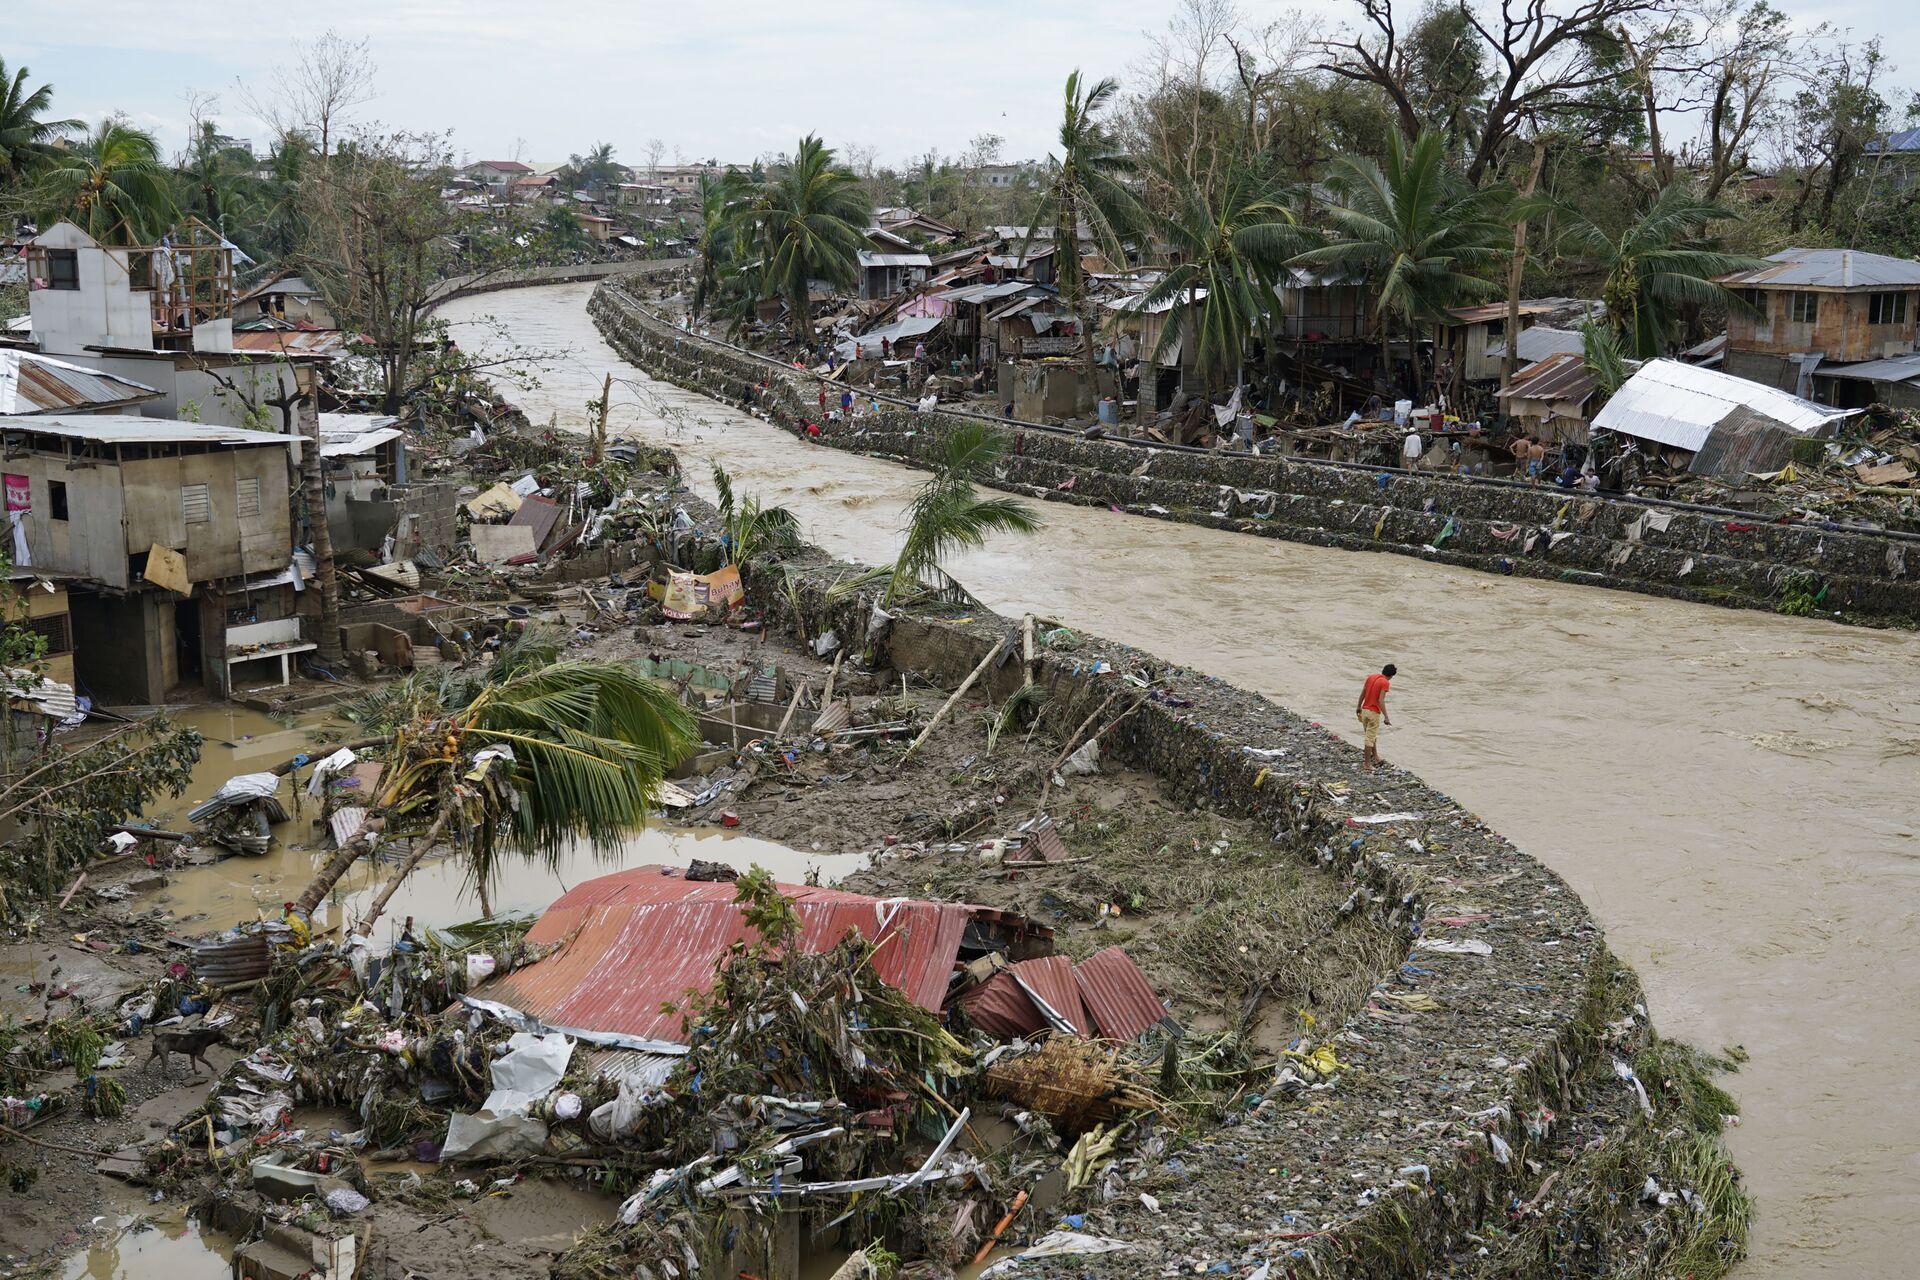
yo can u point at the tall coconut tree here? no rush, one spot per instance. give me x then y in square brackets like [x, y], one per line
[807, 222]
[720, 197]
[112, 183]
[536, 756]
[1422, 238]
[947, 514]
[1085, 192]
[27, 137]
[1655, 268]
[1228, 248]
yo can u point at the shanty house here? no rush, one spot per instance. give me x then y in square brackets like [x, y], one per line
[1318, 307]
[891, 265]
[1550, 397]
[1468, 334]
[1815, 308]
[1712, 422]
[285, 296]
[166, 533]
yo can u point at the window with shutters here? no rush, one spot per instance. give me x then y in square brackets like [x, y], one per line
[246, 493]
[195, 506]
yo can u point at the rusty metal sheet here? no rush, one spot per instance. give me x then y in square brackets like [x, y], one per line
[539, 514]
[645, 936]
[1003, 1005]
[225, 961]
[33, 383]
[833, 719]
[1118, 995]
[1039, 841]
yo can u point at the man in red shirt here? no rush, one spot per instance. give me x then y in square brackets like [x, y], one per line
[1372, 710]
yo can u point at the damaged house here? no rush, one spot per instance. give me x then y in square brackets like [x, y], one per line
[173, 541]
[1712, 423]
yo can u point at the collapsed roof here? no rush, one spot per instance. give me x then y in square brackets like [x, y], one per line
[641, 938]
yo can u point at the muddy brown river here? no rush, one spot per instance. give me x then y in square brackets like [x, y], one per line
[1733, 793]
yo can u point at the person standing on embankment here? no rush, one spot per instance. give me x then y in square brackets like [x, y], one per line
[1372, 710]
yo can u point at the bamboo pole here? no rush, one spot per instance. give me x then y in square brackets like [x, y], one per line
[965, 685]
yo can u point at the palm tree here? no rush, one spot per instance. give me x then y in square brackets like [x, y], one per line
[534, 756]
[1654, 268]
[113, 184]
[1416, 231]
[26, 140]
[947, 515]
[809, 222]
[1086, 192]
[1227, 252]
[595, 171]
[720, 195]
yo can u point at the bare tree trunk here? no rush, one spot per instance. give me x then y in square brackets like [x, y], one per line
[313, 481]
[337, 866]
[1516, 269]
[422, 845]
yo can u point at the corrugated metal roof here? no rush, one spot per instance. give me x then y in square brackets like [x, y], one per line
[645, 936]
[1679, 404]
[127, 429]
[868, 258]
[911, 327]
[308, 342]
[1892, 369]
[986, 292]
[1539, 342]
[31, 383]
[1828, 269]
[1117, 994]
[347, 446]
[1558, 377]
[1898, 140]
[1004, 1004]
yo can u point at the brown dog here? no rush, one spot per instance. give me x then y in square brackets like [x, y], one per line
[192, 1043]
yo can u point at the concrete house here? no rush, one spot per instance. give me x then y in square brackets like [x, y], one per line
[168, 535]
[1819, 308]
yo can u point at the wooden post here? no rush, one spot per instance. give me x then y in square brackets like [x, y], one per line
[1026, 648]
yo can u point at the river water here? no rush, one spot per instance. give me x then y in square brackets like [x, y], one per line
[1732, 793]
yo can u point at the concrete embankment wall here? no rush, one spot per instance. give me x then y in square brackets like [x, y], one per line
[1430, 1090]
[1669, 550]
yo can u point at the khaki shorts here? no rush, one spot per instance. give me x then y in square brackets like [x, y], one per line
[1370, 724]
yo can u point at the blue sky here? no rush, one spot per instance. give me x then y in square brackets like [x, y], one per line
[734, 78]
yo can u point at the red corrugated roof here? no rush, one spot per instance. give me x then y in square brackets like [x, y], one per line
[645, 936]
[1000, 1006]
[1118, 995]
